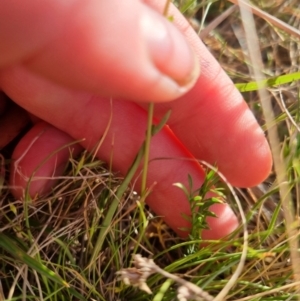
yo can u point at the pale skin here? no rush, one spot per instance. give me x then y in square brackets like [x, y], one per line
[63, 61]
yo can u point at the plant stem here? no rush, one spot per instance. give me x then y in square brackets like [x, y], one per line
[147, 148]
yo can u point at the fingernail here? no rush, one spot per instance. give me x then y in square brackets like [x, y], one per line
[170, 54]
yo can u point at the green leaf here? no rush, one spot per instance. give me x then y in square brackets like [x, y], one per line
[183, 188]
[186, 5]
[190, 181]
[156, 128]
[268, 83]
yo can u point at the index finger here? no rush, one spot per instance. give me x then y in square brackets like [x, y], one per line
[214, 122]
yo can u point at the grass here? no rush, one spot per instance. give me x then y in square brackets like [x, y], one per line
[69, 244]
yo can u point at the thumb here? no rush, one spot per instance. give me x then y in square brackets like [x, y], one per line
[111, 48]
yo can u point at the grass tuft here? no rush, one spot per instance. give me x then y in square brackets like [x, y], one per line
[69, 244]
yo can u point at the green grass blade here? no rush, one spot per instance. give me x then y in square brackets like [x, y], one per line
[8, 245]
[130, 174]
[165, 287]
[114, 205]
[156, 128]
[270, 82]
[76, 294]
[186, 5]
[147, 147]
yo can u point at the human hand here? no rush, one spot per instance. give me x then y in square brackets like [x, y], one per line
[63, 62]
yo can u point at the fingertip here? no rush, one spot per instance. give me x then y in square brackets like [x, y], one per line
[39, 158]
[139, 55]
[251, 160]
[258, 168]
[171, 55]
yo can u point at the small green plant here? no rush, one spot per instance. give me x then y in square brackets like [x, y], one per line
[200, 200]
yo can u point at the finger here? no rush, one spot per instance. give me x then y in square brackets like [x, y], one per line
[107, 47]
[13, 119]
[231, 124]
[3, 102]
[41, 156]
[83, 116]
[213, 120]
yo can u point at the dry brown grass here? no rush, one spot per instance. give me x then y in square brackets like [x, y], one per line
[60, 230]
